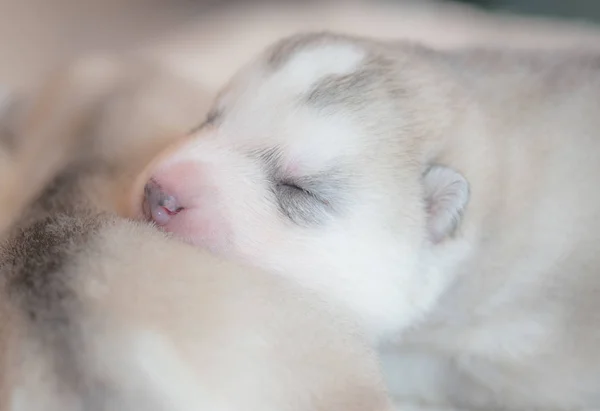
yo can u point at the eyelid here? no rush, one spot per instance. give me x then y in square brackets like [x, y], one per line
[294, 184]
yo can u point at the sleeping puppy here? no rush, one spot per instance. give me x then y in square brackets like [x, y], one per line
[102, 313]
[447, 200]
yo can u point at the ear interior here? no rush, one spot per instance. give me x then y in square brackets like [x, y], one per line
[446, 196]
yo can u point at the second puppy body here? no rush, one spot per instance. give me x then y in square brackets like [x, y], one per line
[448, 200]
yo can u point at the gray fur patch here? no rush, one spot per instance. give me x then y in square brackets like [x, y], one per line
[35, 265]
[347, 90]
[372, 82]
[34, 260]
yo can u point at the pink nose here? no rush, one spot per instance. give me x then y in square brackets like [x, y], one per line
[159, 206]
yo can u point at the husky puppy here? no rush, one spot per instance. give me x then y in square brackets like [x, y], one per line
[448, 200]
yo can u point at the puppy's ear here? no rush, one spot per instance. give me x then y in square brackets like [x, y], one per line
[446, 197]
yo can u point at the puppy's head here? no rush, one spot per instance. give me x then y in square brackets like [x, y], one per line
[315, 162]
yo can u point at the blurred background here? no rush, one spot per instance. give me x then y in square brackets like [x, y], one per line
[209, 39]
[573, 9]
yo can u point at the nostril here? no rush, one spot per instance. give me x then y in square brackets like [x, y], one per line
[170, 205]
[158, 205]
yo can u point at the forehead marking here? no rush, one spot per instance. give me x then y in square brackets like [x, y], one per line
[369, 83]
[349, 90]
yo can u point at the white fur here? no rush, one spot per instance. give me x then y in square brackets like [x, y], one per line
[308, 66]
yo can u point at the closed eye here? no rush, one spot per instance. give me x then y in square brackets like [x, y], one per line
[301, 205]
[296, 188]
[308, 200]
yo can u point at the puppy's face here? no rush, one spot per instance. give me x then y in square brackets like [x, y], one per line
[306, 166]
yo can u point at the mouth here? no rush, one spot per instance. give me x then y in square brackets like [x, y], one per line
[157, 205]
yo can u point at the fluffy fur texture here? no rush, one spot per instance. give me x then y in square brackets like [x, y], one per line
[448, 200]
[102, 313]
